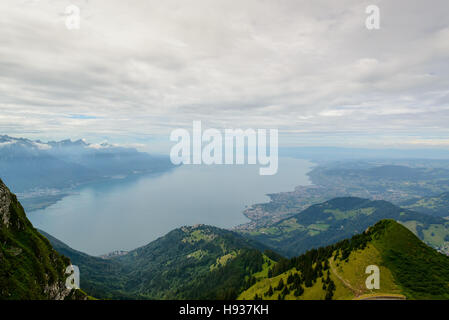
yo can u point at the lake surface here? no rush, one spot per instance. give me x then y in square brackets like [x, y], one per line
[128, 213]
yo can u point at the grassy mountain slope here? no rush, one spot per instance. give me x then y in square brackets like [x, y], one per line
[433, 205]
[200, 262]
[408, 269]
[29, 267]
[340, 218]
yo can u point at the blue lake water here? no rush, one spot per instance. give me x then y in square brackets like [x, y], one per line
[128, 213]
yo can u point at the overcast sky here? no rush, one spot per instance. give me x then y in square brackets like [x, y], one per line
[135, 70]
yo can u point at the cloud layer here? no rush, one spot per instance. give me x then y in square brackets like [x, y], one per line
[310, 68]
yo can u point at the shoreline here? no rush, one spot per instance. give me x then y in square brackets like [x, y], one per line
[258, 216]
[42, 202]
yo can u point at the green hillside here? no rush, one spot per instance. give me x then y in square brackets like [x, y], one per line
[29, 267]
[160, 269]
[200, 262]
[340, 218]
[434, 205]
[408, 269]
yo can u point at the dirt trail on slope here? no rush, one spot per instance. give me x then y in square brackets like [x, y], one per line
[384, 297]
[356, 292]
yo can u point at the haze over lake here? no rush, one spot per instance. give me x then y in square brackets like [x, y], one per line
[128, 213]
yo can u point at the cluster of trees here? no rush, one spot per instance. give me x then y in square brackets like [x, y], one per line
[295, 283]
[329, 286]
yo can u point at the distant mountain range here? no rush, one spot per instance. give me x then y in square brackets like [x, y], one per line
[41, 171]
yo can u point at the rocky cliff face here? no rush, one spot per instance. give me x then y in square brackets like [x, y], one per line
[29, 266]
[5, 201]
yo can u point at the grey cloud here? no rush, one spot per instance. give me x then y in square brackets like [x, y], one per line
[308, 66]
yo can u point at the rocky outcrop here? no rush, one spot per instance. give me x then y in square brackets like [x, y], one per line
[57, 291]
[5, 201]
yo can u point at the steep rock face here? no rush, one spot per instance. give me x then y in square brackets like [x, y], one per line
[5, 201]
[29, 266]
